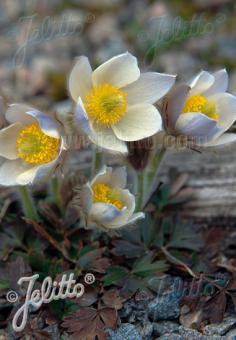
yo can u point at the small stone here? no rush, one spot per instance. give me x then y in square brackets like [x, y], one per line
[145, 329]
[126, 331]
[222, 328]
[171, 336]
[192, 334]
[165, 307]
[163, 327]
[231, 335]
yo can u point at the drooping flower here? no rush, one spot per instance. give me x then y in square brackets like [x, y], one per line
[30, 146]
[106, 202]
[201, 110]
[115, 102]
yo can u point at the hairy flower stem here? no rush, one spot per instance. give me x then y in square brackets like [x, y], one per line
[147, 180]
[56, 192]
[28, 204]
[96, 162]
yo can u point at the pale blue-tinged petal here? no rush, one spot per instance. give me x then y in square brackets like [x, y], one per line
[135, 217]
[47, 124]
[197, 126]
[104, 214]
[81, 118]
[149, 88]
[118, 71]
[220, 84]
[86, 195]
[173, 104]
[224, 139]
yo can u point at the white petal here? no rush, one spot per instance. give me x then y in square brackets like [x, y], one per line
[220, 84]
[106, 139]
[226, 109]
[140, 121]
[226, 138]
[17, 113]
[149, 88]
[17, 172]
[36, 174]
[119, 177]
[103, 176]
[174, 103]
[8, 141]
[80, 79]
[48, 125]
[10, 170]
[86, 197]
[118, 71]
[104, 214]
[201, 83]
[198, 126]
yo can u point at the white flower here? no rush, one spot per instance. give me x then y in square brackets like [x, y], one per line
[114, 102]
[106, 202]
[202, 110]
[30, 146]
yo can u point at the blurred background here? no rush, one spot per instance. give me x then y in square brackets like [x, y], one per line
[40, 40]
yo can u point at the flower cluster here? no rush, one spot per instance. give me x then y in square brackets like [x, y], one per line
[113, 105]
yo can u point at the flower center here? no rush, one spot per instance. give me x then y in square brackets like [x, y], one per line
[104, 194]
[106, 104]
[201, 104]
[34, 147]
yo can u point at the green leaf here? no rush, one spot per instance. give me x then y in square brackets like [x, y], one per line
[114, 275]
[145, 267]
[4, 284]
[148, 231]
[185, 237]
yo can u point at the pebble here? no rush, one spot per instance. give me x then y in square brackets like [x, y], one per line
[126, 331]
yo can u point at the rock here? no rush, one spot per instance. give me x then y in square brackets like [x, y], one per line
[170, 336]
[227, 49]
[231, 335]
[103, 29]
[222, 328]
[165, 307]
[145, 329]
[187, 333]
[126, 331]
[163, 327]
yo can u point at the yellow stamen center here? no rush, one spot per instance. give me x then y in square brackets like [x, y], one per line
[106, 104]
[34, 147]
[201, 104]
[104, 194]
